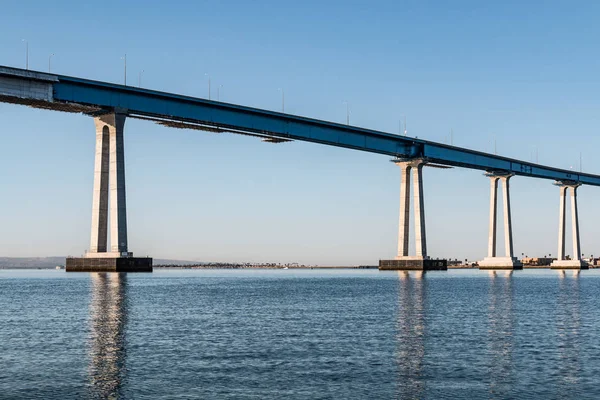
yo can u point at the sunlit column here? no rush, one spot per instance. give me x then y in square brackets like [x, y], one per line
[508, 238]
[99, 232]
[561, 223]
[575, 222]
[420, 236]
[493, 216]
[118, 208]
[403, 225]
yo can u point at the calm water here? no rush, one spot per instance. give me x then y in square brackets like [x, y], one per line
[308, 334]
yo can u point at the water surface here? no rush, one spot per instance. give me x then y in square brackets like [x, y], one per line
[272, 334]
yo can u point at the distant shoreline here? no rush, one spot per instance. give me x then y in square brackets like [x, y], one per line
[263, 266]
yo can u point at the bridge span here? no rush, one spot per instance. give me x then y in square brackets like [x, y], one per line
[110, 104]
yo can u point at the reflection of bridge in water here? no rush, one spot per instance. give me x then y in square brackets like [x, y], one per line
[568, 325]
[500, 333]
[420, 350]
[410, 350]
[506, 354]
[108, 320]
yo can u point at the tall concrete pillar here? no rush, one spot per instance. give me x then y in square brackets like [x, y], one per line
[420, 261]
[493, 216]
[109, 174]
[118, 208]
[575, 224]
[508, 238]
[492, 261]
[561, 262]
[403, 223]
[561, 223]
[109, 177]
[420, 236]
[100, 195]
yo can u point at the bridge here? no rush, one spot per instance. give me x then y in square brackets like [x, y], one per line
[111, 104]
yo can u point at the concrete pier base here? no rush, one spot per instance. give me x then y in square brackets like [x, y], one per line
[413, 264]
[561, 262]
[500, 263]
[108, 264]
[569, 264]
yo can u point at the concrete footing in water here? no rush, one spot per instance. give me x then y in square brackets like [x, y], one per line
[569, 264]
[105, 264]
[413, 264]
[500, 263]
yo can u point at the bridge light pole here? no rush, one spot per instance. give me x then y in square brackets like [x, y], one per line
[125, 71]
[26, 53]
[207, 75]
[347, 112]
[219, 92]
[140, 78]
[282, 99]
[49, 61]
[400, 125]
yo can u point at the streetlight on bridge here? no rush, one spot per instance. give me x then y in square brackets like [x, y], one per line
[125, 70]
[347, 112]
[26, 53]
[207, 75]
[282, 99]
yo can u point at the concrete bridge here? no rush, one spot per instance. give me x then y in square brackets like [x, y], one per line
[111, 104]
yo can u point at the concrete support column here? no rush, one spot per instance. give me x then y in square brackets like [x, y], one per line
[403, 223]
[109, 177]
[420, 236]
[562, 218]
[493, 216]
[561, 262]
[118, 208]
[575, 224]
[508, 238]
[492, 261]
[100, 194]
[420, 261]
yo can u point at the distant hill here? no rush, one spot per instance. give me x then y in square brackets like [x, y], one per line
[52, 262]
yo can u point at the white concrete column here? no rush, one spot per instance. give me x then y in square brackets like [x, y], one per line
[403, 224]
[420, 236]
[561, 223]
[493, 216]
[492, 261]
[575, 262]
[575, 222]
[118, 208]
[508, 238]
[100, 195]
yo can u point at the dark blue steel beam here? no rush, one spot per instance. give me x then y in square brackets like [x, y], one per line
[225, 116]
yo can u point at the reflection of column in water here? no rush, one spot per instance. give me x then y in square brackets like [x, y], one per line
[411, 335]
[500, 333]
[568, 322]
[108, 317]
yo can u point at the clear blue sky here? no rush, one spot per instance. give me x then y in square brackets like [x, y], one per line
[526, 74]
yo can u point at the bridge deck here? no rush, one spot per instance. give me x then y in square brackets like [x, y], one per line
[65, 93]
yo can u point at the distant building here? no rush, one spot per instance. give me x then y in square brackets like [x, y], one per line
[593, 261]
[537, 261]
